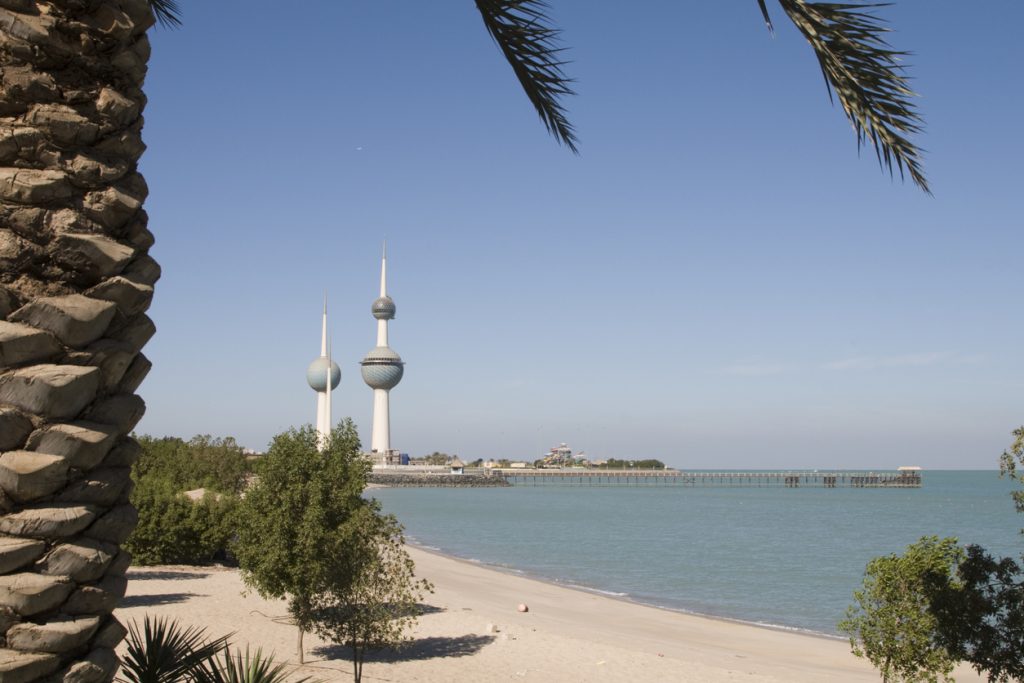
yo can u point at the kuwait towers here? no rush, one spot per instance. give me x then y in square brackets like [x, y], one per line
[323, 376]
[382, 369]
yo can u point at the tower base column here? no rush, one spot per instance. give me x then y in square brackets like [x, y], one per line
[381, 438]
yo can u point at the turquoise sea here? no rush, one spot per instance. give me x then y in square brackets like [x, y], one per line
[788, 558]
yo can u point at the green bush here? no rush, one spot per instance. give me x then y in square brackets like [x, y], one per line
[172, 528]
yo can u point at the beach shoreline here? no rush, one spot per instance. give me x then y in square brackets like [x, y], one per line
[622, 597]
[472, 630]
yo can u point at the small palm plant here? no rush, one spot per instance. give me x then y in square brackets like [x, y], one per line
[249, 668]
[165, 652]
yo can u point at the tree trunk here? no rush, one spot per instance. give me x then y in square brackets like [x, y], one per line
[75, 282]
[301, 652]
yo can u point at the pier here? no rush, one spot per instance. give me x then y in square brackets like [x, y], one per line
[701, 479]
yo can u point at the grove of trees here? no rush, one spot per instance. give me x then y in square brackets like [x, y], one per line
[173, 528]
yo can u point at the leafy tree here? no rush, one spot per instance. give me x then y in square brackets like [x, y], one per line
[203, 461]
[172, 529]
[980, 617]
[436, 458]
[1008, 467]
[377, 609]
[972, 602]
[307, 535]
[891, 623]
[648, 464]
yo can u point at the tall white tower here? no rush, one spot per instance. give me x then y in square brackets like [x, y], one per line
[382, 368]
[317, 375]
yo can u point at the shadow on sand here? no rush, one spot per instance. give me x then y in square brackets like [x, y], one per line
[151, 600]
[423, 608]
[136, 575]
[419, 649]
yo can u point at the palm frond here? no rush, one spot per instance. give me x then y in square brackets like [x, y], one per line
[522, 30]
[867, 76]
[167, 12]
[252, 667]
[164, 652]
[764, 13]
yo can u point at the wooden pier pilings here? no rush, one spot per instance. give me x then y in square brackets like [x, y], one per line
[679, 478]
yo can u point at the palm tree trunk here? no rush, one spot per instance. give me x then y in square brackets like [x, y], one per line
[75, 282]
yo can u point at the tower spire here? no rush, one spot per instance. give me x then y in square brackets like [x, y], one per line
[384, 270]
[323, 330]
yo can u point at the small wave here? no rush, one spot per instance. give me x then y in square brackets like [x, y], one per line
[589, 589]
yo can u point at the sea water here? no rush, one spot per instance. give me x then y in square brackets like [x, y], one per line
[783, 557]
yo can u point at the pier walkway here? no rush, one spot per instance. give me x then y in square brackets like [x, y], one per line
[679, 478]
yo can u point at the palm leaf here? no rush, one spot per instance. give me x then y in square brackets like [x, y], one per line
[167, 12]
[250, 668]
[164, 652]
[867, 76]
[522, 30]
[764, 13]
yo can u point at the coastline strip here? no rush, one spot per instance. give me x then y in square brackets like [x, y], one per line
[472, 630]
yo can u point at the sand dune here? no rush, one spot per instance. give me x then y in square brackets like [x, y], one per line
[472, 631]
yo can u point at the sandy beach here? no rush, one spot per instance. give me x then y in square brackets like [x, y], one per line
[472, 631]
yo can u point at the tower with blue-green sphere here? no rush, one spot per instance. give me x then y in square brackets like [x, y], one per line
[382, 369]
[323, 375]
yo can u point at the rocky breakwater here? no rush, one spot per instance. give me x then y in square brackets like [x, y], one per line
[430, 479]
[75, 282]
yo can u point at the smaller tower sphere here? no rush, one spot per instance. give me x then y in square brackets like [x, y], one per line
[384, 308]
[316, 374]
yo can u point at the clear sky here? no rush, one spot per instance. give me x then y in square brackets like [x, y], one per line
[717, 280]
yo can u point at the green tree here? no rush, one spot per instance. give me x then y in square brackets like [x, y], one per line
[75, 270]
[980, 619]
[969, 604]
[172, 528]
[306, 533]
[980, 616]
[891, 622]
[436, 458]
[218, 464]
[377, 609]
[1008, 463]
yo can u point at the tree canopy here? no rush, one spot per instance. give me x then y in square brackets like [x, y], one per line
[939, 603]
[172, 528]
[891, 623]
[307, 535]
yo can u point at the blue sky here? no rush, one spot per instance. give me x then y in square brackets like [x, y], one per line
[717, 280]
